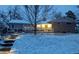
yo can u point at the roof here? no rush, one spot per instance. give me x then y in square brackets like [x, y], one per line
[3, 24]
[44, 22]
[63, 19]
[19, 21]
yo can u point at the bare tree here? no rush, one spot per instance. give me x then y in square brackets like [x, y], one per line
[77, 12]
[4, 22]
[14, 13]
[4, 18]
[11, 14]
[34, 16]
[57, 15]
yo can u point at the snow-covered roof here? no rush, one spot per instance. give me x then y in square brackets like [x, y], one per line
[27, 22]
[44, 22]
[3, 24]
[19, 21]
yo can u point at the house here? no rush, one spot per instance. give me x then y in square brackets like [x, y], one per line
[60, 25]
[19, 26]
[63, 25]
[25, 26]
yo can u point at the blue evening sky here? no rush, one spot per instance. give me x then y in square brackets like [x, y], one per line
[65, 8]
[59, 8]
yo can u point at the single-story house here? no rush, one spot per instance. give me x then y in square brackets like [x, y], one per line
[25, 26]
[19, 26]
[61, 25]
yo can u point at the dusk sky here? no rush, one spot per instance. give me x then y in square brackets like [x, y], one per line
[65, 8]
[59, 8]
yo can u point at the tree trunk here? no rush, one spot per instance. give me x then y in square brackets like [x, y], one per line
[35, 22]
[35, 29]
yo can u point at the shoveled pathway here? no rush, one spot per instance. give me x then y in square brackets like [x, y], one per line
[6, 44]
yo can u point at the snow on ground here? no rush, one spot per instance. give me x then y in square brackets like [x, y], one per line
[47, 44]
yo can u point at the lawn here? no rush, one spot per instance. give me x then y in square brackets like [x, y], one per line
[46, 43]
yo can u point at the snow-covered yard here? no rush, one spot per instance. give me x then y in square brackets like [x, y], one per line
[46, 44]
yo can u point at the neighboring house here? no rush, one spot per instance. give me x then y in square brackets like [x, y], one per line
[63, 25]
[3, 27]
[19, 26]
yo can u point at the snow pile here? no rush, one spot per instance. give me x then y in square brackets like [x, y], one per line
[47, 43]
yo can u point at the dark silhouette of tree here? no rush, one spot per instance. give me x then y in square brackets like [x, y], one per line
[14, 13]
[70, 14]
[77, 21]
[57, 15]
[33, 14]
[35, 22]
[4, 18]
[77, 12]
[4, 21]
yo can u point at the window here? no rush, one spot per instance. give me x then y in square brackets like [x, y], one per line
[39, 26]
[49, 25]
[46, 26]
[12, 26]
[58, 22]
[68, 23]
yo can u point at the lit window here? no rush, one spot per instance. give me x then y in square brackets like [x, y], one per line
[43, 25]
[46, 26]
[38, 26]
[49, 25]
